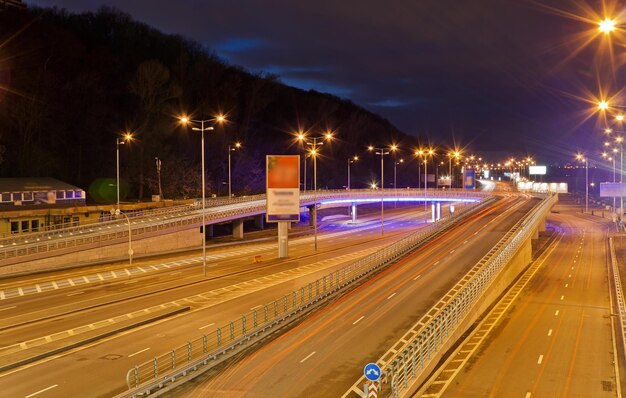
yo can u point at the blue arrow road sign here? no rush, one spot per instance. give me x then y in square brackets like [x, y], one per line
[372, 372]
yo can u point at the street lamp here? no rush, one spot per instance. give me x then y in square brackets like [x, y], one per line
[158, 168]
[185, 120]
[456, 155]
[382, 152]
[419, 154]
[234, 147]
[582, 158]
[128, 137]
[350, 161]
[607, 26]
[611, 158]
[314, 143]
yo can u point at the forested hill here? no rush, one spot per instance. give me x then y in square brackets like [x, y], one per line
[70, 84]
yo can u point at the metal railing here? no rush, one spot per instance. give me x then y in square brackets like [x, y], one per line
[434, 329]
[619, 292]
[211, 348]
[223, 210]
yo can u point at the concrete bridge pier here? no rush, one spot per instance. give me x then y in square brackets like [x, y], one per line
[238, 229]
[353, 212]
[312, 215]
[259, 222]
[436, 211]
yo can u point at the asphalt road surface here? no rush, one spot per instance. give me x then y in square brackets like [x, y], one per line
[556, 341]
[324, 354]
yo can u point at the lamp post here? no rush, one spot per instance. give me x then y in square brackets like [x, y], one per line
[611, 158]
[314, 144]
[456, 155]
[235, 146]
[127, 138]
[419, 154]
[350, 161]
[202, 129]
[382, 152]
[582, 158]
[158, 168]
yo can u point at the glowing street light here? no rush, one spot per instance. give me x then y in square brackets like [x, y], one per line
[607, 26]
[128, 137]
[603, 105]
[382, 152]
[185, 121]
[350, 161]
[582, 158]
[234, 147]
[314, 152]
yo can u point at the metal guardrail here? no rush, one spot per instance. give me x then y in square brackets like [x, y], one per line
[107, 232]
[435, 328]
[618, 292]
[208, 349]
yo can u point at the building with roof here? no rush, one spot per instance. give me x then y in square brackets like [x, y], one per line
[38, 191]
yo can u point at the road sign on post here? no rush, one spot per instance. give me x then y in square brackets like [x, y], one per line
[371, 372]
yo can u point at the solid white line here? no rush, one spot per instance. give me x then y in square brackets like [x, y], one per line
[550, 332]
[74, 294]
[7, 308]
[206, 326]
[540, 360]
[307, 357]
[357, 321]
[176, 273]
[40, 391]
[527, 395]
[392, 295]
[562, 297]
[417, 277]
[567, 284]
[129, 282]
[138, 352]
[556, 313]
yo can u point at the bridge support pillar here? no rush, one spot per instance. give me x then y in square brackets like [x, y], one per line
[283, 239]
[208, 231]
[259, 222]
[238, 229]
[433, 212]
[353, 212]
[312, 215]
[542, 225]
[438, 206]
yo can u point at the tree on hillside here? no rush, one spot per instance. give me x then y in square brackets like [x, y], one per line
[152, 85]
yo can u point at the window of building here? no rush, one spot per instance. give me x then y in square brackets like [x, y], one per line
[78, 194]
[28, 196]
[69, 194]
[25, 224]
[75, 221]
[60, 195]
[15, 227]
[67, 220]
[17, 196]
[34, 225]
[6, 197]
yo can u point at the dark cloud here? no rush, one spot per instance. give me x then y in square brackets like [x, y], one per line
[489, 72]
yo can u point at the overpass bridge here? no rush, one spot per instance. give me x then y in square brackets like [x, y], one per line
[179, 228]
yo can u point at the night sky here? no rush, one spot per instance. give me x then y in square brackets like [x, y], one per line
[511, 76]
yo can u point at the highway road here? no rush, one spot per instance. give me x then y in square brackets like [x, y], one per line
[557, 340]
[324, 354]
[50, 317]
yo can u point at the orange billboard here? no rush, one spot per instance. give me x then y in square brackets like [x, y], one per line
[283, 188]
